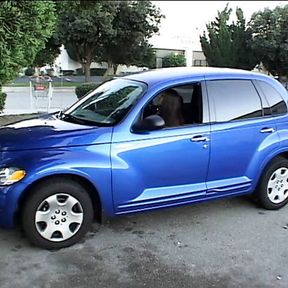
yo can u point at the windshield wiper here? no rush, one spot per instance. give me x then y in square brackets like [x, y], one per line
[77, 120]
[71, 118]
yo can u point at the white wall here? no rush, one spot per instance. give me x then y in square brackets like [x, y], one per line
[64, 62]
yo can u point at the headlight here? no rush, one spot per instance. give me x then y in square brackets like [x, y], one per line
[11, 175]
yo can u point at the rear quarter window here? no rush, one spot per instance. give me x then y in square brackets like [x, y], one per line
[275, 100]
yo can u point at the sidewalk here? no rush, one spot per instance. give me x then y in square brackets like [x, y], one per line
[18, 100]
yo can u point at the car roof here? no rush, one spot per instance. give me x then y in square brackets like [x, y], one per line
[154, 76]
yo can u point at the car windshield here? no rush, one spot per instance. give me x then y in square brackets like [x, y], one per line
[107, 104]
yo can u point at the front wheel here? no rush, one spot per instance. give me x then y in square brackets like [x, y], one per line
[272, 191]
[57, 214]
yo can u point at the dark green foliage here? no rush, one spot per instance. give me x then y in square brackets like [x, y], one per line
[97, 71]
[174, 60]
[24, 28]
[148, 59]
[134, 23]
[72, 53]
[93, 71]
[68, 72]
[112, 31]
[30, 71]
[80, 72]
[229, 45]
[49, 53]
[270, 41]
[144, 56]
[84, 88]
[2, 100]
[82, 28]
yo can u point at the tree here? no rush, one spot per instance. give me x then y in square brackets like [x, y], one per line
[133, 24]
[112, 31]
[229, 45]
[270, 39]
[24, 28]
[174, 60]
[49, 53]
[83, 26]
[146, 56]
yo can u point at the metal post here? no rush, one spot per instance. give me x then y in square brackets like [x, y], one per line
[31, 96]
[50, 91]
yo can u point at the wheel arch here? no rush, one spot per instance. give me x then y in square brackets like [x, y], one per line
[267, 162]
[261, 192]
[87, 184]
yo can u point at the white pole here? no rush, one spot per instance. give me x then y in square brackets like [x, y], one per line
[31, 96]
[50, 95]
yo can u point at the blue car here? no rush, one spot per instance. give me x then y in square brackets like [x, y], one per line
[151, 140]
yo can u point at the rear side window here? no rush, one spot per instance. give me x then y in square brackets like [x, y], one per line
[274, 99]
[234, 99]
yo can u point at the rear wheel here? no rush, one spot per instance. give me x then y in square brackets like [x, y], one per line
[272, 191]
[57, 214]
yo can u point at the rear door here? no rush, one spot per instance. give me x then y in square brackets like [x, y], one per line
[242, 127]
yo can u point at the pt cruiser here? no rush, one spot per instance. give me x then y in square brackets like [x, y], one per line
[151, 140]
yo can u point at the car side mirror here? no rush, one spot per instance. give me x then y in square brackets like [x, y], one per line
[150, 123]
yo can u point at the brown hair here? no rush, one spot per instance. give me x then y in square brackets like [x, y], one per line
[171, 109]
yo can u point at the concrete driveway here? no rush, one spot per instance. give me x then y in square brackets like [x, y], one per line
[226, 243]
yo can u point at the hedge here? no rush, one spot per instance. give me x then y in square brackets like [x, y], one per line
[93, 71]
[84, 88]
[2, 100]
[68, 72]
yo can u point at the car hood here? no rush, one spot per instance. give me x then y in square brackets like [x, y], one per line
[50, 132]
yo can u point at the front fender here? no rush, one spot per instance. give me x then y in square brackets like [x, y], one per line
[89, 162]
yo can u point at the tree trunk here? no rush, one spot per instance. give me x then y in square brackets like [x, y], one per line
[87, 70]
[82, 67]
[115, 67]
[110, 69]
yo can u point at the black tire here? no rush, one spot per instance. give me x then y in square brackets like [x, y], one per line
[262, 191]
[62, 188]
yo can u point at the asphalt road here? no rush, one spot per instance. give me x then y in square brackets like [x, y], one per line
[226, 243]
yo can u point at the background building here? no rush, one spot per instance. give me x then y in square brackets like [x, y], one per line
[176, 45]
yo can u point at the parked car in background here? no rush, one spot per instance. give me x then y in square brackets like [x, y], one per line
[152, 140]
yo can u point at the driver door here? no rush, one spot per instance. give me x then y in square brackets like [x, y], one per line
[166, 167]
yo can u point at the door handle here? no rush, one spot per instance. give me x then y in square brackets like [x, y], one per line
[200, 138]
[267, 130]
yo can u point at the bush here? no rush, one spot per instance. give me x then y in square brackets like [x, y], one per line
[68, 72]
[97, 71]
[93, 71]
[30, 71]
[2, 100]
[174, 60]
[79, 72]
[84, 88]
